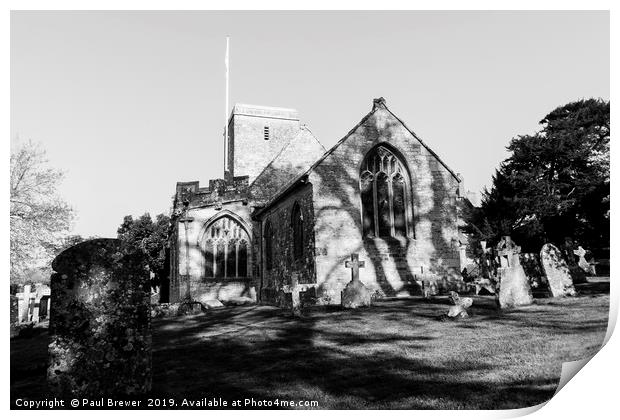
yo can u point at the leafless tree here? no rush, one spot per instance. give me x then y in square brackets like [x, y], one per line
[39, 217]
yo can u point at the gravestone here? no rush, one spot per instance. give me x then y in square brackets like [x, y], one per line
[14, 316]
[429, 288]
[44, 304]
[567, 250]
[558, 274]
[100, 322]
[583, 263]
[514, 288]
[459, 306]
[24, 298]
[355, 294]
[486, 285]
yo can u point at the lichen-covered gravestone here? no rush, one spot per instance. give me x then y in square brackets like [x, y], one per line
[99, 322]
[557, 271]
[583, 263]
[355, 294]
[514, 288]
[459, 306]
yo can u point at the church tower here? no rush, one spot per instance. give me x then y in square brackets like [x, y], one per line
[256, 134]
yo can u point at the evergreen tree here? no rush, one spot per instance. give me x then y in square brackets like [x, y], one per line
[150, 238]
[555, 184]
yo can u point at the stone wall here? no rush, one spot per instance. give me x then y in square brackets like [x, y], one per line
[277, 282]
[201, 288]
[396, 267]
[248, 151]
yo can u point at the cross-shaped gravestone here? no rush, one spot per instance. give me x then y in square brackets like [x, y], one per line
[580, 252]
[583, 263]
[355, 264]
[355, 294]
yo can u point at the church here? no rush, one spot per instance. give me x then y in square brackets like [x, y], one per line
[288, 214]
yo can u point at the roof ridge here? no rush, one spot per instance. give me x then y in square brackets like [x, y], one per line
[290, 142]
[343, 139]
[305, 127]
[319, 160]
[454, 174]
[274, 158]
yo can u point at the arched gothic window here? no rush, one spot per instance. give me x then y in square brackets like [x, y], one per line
[226, 249]
[297, 222]
[268, 235]
[384, 187]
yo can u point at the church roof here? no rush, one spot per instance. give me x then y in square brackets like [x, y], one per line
[377, 104]
[293, 159]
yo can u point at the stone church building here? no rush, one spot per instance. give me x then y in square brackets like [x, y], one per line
[288, 214]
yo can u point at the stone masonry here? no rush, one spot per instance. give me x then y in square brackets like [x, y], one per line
[275, 163]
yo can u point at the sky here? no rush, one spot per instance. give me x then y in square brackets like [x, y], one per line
[128, 103]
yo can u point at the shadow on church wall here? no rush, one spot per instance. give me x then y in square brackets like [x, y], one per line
[399, 265]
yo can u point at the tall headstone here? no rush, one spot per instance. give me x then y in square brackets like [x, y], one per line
[100, 322]
[558, 274]
[355, 294]
[24, 298]
[514, 288]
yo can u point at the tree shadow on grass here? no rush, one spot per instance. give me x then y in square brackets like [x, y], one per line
[393, 355]
[292, 359]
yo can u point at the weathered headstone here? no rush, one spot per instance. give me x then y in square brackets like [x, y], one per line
[429, 289]
[295, 298]
[558, 274]
[459, 306]
[24, 299]
[44, 306]
[14, 316]
[484, 284]
[100, 322]
[355, 294]
[514, 288]
[213, 303]
[583, 263]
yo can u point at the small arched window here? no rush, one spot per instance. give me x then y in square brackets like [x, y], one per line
[268, 235]
[297, 222]
[384, 186]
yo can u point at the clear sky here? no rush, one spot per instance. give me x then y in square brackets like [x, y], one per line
[129, 103]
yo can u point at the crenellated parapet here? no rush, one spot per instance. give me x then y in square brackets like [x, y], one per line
[191, 195]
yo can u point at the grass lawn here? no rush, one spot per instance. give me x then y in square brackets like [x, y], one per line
[397, 354]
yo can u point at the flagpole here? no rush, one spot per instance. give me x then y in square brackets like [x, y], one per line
[226, 62]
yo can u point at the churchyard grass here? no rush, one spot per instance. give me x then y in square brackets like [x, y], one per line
[398, 354]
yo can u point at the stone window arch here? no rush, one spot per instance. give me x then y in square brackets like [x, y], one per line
[385, 190]
[226, 249]
[268, 235]
[297, 223]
